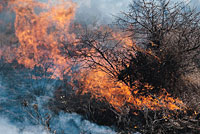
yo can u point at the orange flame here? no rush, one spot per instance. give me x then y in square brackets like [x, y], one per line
[41, 29]
[100, 85]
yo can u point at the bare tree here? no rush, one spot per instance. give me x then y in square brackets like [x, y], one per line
[170, 31]
[158, 19]
[98, 48]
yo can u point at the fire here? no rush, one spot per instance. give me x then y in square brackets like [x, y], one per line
[1, 7]
[119, 95]
[42, 29]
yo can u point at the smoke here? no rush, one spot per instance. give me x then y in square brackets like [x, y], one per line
[24, 106]
[8, 128]
[75, 124]
[62, 124]
[105, 11]
[88, 11]
[195, 4]
[102, 11]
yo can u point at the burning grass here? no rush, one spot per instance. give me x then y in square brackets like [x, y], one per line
[128, 119]
[100, 85]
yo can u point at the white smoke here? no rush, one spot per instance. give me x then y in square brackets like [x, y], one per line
[6, 127]
[103, 11]
[64, 123]
[75, 124]
[15, 86]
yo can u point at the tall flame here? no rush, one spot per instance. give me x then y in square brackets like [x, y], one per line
[41, 29]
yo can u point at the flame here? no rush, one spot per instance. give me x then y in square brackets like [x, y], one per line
[42, 29]
[1, 7]
[119, 95]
